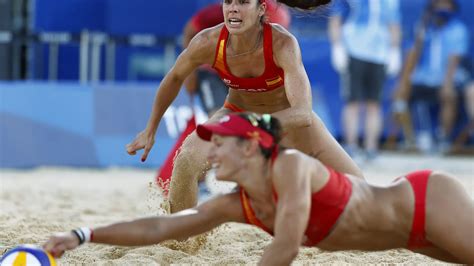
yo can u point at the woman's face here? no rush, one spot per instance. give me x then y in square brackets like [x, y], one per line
[443, 5]
[240, 15]
[226, 156]
[443, 11]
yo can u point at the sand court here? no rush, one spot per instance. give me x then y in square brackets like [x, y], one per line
[35, 203]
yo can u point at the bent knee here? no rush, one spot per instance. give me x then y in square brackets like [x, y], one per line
[190, 159]
[192, 156]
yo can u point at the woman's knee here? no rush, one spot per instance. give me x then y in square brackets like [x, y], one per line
[191, 157]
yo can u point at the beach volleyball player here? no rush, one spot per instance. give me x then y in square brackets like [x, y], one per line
[301, 201]
[261, 64]
[205, 82]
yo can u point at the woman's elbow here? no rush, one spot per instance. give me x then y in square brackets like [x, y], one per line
[306, 118]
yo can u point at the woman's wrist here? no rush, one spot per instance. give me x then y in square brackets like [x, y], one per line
[84, 234]
[151, 128]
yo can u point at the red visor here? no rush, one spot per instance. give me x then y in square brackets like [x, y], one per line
[234, 125]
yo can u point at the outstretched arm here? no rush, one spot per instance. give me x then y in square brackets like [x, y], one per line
[153, 230]
[198, 52]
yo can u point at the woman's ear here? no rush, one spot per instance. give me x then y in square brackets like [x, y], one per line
[251, 147]
[262, 9]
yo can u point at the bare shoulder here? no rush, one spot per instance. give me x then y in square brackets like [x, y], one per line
[285, 46]
[290, 160]
[282, 38]
[298, 165]
[203, 45]
[210, 35]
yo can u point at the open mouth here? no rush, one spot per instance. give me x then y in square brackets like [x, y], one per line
[235, 21]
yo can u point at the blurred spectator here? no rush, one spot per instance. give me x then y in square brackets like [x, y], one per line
[364, 49]
[431, 75]
[469, 103]
[467, 131]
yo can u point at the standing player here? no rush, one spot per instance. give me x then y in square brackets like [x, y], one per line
[205, 82]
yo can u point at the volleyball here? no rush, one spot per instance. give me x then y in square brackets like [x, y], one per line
[27, 255]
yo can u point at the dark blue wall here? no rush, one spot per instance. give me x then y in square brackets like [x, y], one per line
[166, 19]
[163, 17]
[70, 16]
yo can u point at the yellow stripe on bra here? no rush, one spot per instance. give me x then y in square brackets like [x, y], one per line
[274, 81]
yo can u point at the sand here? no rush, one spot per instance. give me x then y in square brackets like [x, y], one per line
[35, 203]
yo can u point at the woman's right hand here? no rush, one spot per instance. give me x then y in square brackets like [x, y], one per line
[144, 141]
[60, 242]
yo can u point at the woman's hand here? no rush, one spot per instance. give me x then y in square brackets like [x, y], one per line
[60, 242]
[143, 140]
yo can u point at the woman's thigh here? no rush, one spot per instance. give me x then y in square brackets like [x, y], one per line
[193, 144]
[318, 142]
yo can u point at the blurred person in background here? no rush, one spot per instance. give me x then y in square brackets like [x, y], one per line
[432, 73]
[469, 103]
[364, 49]
[466, 135]
[261, 64]
[466, 97]
[205, 81]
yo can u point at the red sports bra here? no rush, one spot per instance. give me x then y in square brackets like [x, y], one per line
[327, 205]
[272, 77]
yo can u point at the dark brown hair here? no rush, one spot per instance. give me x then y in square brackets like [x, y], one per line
[305, 4]
[268, 123]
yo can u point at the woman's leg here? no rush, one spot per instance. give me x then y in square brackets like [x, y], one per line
[190, 164]
[450, 217]
[469, 100]
[350, 124]
[316, 141]
[448, 115]
[373, 127]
